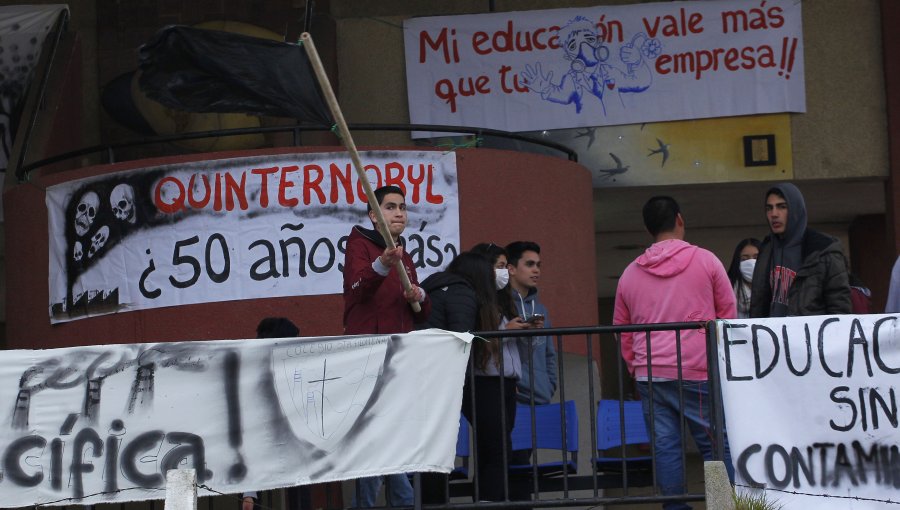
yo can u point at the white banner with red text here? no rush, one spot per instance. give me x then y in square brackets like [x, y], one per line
[104, 423]
[605, 65]
[231, 229]
[811, 408]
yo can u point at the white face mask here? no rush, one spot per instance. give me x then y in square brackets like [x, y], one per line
[747, 269]
[501, 277]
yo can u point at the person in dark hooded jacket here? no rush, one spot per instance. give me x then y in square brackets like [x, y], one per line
[459, 295]
[800, 271]
[464, 297]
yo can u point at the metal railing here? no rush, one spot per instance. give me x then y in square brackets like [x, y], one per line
[45, 67]
[583, 486]
[587, 485]
[109, 149]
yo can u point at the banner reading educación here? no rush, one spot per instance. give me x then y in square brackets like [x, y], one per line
[103, 424]
[605, 65]
[811, 408]
[231, 229]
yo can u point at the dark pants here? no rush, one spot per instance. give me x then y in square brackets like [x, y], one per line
[492, 437]
[490, 440]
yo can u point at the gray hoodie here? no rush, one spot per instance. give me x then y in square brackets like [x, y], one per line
[543, 358]
[787, 252]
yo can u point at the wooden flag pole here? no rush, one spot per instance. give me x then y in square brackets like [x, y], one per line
[344, 133]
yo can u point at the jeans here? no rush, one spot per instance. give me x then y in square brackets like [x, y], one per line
[399, 491]
[667, 431]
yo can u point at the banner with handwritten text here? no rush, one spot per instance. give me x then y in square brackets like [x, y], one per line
[811, 408]
[230, 229]
[605, 65]
[104, 423]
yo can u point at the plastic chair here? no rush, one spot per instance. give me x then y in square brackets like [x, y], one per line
[463, 450]
[610, 436]
[548, 436]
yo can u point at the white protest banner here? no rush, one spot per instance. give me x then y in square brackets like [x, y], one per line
[811, 408]
[605, 65]
[229, 229]
[103, 424]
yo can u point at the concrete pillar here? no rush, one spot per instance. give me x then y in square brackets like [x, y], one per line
[181, 489]
[719, 493]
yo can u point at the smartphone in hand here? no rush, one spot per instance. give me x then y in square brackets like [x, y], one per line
[535, 318]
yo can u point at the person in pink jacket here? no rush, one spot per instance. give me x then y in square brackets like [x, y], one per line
[672, 281]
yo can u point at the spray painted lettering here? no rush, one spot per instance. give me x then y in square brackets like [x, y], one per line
[829, 378]
[103, 424]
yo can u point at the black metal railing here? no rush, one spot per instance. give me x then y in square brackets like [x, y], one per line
[38, 91]
[109, 149]
[588, 483]
[584, 485]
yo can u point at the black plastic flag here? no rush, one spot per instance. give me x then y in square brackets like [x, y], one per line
[199, 70]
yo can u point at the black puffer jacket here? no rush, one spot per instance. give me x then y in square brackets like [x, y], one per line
[454, 306]
[821, 287]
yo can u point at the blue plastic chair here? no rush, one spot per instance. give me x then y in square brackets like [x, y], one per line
[463, 450]
[609, 436]
[549, 436]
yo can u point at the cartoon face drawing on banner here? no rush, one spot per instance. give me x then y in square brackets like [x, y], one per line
[592, 71]
[122, 202]
[323, 394]
[78, 252]
[584, 47]
[98, 240]
[86, 212]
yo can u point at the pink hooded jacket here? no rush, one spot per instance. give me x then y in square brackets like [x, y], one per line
[672, 281]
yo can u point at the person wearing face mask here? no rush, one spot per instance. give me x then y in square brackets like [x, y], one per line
[740, 273]
[494, 394]
[499, 259]
[464, 298]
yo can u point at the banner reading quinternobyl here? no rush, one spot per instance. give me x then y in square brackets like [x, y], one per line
[605, 65]
[811, 407]
[232, 229]
[103, 424]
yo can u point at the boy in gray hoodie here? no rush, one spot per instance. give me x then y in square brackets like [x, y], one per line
[524, 264]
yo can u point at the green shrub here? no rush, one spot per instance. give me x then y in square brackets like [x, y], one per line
[755, 501]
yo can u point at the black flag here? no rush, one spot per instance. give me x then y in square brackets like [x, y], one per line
[200, 70]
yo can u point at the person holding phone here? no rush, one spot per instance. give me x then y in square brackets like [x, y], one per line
[535, 319]
[537, 353]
